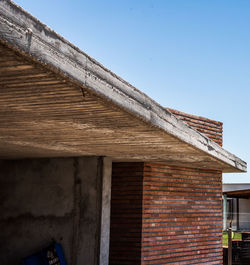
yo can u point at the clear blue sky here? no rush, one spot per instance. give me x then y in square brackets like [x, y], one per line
[191, 55]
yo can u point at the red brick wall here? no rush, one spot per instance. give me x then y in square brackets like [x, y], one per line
[182, 216]
[165, 215]
[126, 213]
[212, 129]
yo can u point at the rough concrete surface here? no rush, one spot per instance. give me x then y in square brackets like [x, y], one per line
[29, 36]
[105, 216]
[58, 198]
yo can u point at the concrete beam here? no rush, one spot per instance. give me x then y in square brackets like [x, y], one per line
[106, 172]
[34, 39]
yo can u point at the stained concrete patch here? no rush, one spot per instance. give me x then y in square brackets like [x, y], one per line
[54, 199]
[40, 187]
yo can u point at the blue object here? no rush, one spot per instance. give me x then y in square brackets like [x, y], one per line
[52, 255]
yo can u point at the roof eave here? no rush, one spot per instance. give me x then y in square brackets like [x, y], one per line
[28, 35]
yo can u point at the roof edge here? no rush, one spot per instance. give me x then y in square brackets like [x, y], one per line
[31, 37]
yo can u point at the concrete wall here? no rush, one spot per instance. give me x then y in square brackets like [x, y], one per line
[66, 199]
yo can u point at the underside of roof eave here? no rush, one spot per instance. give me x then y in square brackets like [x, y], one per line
[30, 37]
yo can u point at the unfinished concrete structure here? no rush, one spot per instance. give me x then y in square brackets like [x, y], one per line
[65, 120]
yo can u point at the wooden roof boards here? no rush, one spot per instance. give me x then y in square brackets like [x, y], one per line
[55, 100]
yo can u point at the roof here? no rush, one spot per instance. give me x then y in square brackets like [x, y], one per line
[58, 101]
[244, 194]
[211, 128]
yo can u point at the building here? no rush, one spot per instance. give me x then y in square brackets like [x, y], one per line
[236, 214]
[68, 126]
[237, 206]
